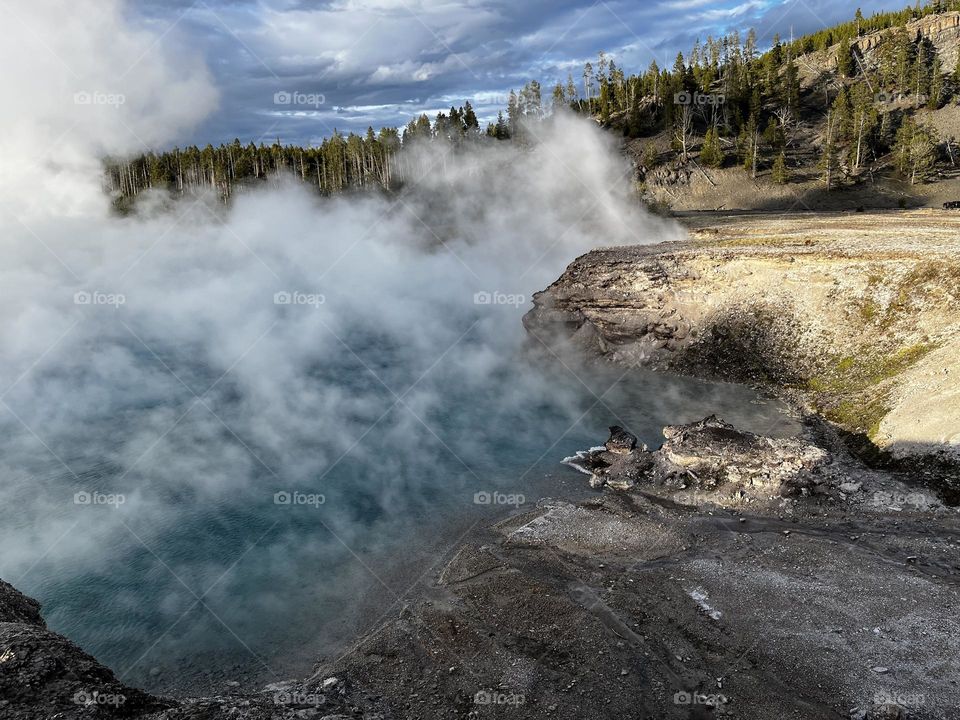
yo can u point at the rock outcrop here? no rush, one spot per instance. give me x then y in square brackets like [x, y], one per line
[942, 31]
[711, 462]
[620, 440]
[44, 675]
[859, 314]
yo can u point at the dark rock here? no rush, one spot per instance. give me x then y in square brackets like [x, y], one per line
[707, 455]
[621, 440]
[15, 607]
[44, 675]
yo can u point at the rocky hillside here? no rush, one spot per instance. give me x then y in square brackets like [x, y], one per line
[941, 30]
[697, 184]
[857, 314]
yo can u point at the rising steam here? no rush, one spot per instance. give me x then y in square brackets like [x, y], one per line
[197, 360]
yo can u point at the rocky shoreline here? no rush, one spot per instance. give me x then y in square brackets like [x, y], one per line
[722, 574]
[854, 316]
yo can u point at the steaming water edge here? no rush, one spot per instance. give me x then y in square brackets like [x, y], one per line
[197, 590]
[200, 397]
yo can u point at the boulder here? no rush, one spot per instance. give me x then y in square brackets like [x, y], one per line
[621, 441]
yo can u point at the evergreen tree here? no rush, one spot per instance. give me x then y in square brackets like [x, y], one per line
[635, 121]
[558, 99]
[791, 87]
[749, 146]
[773, 134]
[501, 131]
[571, 89]
[604, 103]
[712, 153]
[780, 173]
[863, 123]
[844, 59]
[937, 86]
[651, 158]
[513, 115]
[470, 121]
[842, 115]
[828, 155]
[915, 150]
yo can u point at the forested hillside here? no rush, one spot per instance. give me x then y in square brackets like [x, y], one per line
[861, 90]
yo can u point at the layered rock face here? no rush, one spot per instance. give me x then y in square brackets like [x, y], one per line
[941, 30]
[858, 313]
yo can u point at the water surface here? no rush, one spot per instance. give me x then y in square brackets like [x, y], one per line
[185, 587]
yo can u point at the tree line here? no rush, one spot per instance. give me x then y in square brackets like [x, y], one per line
[724, 97]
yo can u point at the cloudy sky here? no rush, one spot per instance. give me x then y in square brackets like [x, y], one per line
[347, 64]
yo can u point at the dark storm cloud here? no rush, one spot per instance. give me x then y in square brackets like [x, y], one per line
[349, 64]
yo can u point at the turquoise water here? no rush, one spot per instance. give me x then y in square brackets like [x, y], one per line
[187, 586]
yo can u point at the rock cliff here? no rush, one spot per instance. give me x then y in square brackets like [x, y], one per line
[857, 314]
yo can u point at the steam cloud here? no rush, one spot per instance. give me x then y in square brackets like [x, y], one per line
[197, 360]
